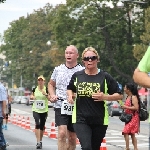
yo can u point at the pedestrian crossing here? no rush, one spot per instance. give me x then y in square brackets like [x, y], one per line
[113, 137]
[18, 111]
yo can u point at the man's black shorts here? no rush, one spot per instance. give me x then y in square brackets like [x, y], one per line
[63, 119]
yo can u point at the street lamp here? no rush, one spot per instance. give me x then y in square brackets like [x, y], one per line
[49, 43]
[33, 73]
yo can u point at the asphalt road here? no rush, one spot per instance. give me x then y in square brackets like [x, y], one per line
[23, 139]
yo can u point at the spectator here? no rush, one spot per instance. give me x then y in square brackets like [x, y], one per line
[131, 106]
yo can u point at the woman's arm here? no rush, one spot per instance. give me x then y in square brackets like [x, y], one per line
[70, 96]
[134, 106]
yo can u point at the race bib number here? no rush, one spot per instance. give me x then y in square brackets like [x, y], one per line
[67, 108]
[39, 104]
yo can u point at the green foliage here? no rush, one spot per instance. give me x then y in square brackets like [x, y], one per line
[141, 47]
[89, 23]
[2, 1]
[25, 44]
[111, 31]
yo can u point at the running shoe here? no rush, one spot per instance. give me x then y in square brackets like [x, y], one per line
[3, 126]
[3, 147]
[38, 146]
[41, 144]
[7, 144]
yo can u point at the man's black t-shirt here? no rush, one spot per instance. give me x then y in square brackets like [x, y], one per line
[86, 110]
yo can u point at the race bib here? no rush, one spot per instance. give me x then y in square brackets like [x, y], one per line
[66, 108]
[39, 104]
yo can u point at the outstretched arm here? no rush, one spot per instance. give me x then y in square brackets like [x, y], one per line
[141, 78]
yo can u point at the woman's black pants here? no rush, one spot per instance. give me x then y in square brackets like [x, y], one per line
[90, 136]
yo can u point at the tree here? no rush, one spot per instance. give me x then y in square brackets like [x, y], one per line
[110, 31]
[2, 1]
[25, 45]
[139, 49]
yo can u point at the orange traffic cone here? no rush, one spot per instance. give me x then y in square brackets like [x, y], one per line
[52, 132]
[103, 145]
[14, 119]
[23, 123]
[19, 121]
[27, 125]
[9, 119]
[77, 141]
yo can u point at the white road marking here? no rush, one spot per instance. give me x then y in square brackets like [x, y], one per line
[18, 111]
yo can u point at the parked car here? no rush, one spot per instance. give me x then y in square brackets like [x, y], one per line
[114, 108]
[30, 102]
[17, 99]
[24, 99]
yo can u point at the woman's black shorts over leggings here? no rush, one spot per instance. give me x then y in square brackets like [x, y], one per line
[40, 119]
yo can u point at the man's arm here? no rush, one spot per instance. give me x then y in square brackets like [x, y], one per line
[4, 108]
[51, 91]
[140, 75]
[141, 78]
[51, 87]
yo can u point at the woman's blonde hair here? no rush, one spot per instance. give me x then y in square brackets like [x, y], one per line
[90, 49]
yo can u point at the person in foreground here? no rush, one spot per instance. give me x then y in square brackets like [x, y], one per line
[40, 109]
[3, 98]
[90, 115]
[131, 106]
[57, 88]
[140, 75]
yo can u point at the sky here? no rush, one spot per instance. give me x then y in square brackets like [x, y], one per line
[13, 9]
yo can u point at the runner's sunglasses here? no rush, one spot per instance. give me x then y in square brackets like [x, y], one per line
[90, 58]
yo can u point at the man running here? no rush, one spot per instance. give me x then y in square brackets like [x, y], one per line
[59, 80]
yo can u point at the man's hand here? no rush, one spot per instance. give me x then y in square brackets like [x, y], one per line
[53, 98]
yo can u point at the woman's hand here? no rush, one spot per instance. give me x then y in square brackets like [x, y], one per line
[124, 107]
[32, 97]
[44, 93]
[99, 96]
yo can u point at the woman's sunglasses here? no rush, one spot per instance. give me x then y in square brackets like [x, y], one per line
[90, 58]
